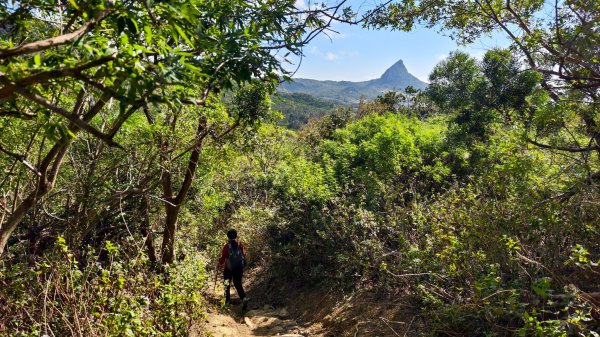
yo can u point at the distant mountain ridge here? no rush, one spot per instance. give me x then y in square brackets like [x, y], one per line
[396, 77]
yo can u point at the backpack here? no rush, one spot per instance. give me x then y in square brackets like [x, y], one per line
[235, 260]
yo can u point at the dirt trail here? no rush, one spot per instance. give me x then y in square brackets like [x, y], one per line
[286, 311]
[258, 319]
[264, 321]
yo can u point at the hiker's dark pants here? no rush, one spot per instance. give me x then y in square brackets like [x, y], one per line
[236, 276]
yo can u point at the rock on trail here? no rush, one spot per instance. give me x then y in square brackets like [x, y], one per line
[265, 321]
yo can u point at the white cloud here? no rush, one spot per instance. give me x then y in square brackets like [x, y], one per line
[300, 4]
[331, 56]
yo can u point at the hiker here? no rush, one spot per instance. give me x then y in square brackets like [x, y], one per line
[233, 258]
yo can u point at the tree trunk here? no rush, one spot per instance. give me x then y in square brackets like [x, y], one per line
[49, 168]
[592, 131]
[168, 244]
[173, 203]
[45, 184]
[14, 219]
[147, 231]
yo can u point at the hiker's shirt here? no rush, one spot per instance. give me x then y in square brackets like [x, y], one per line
[225, 253]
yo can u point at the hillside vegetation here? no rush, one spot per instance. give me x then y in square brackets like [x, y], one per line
[298, 108]
[134, 136]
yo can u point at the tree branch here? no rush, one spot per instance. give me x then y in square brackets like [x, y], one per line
[38, 46]
[231, 128]
[190, 172]
[560, 148]
[44, 76]
[17, 114]
[21, 159]
[72, 118]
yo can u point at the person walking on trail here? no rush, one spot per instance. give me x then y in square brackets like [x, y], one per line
[233, 258]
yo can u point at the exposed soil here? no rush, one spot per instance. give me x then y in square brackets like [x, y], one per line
[266, 321]
[279, 309]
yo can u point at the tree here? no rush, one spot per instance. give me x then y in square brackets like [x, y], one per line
[411, 93]
[250, 107]
[557, 39]
[479, 93]
[390, 100]
[66, 64]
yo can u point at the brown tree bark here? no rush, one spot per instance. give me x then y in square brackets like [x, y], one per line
[168, 244]
[38, 46]
[173, 203]
[48, 170]
[44, 185]
[147, 231]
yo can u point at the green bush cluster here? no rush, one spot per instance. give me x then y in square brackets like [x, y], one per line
[490, 247]
[116, 296]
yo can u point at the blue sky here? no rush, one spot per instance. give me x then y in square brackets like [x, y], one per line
[357, 54]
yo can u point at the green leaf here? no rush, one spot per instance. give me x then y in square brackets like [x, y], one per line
[148, 34]
[183, 35]
[192, 67]
[74, 4]
[37, 59]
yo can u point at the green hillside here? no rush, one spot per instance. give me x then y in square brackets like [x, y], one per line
[298, 108]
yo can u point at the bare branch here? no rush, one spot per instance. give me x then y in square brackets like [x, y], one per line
[20, 158]
[17, 114]
[229, 129]
[190, 172]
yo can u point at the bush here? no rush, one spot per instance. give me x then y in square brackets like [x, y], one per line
[59, 297]
[497, 249]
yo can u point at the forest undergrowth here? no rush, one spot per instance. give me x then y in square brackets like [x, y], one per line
[132, 137]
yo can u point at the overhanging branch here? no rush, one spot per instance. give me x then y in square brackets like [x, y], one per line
[38, 46]
[11, 86]
[72, 118]
[561, 148]
[21, 159]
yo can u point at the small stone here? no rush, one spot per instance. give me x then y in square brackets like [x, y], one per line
[289, 323]
[249, 323]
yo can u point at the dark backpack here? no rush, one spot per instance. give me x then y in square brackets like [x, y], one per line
[235, 261]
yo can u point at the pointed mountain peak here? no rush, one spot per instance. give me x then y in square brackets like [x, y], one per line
[395, 72]
[396, 78]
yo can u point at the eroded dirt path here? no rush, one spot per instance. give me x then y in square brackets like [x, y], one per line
[264, 321]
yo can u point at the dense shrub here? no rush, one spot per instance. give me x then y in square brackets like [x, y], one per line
[497, 246]
[119, 297]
